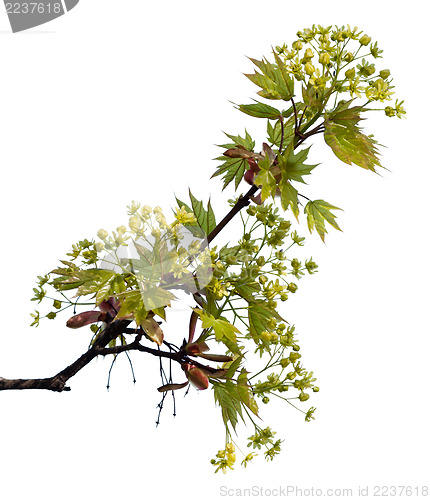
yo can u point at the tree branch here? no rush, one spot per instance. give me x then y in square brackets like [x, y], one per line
[241, 203]
[57, 383]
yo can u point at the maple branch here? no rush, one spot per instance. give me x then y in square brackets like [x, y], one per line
[281, 144]
[242, 202]
[57, 383]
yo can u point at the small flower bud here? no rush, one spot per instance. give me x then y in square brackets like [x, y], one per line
[297, 45]
[324, 58]
[350, 73]
[231, 259]
[389, 111]
[271, 304]
[261, 261]
[251, 210]
[265, 400]
[385, 73]
[365, 40]
[308, 54]
[99, 246]
[348, 57]
[294, 356]
[284, 225]
[284, 362]
[303, 396]
[309, 68]
[266, 336]
[102, 234]
[292, 287]
[316, 389]
[370, 69]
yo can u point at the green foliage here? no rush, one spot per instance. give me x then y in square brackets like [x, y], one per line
[346, 140]
[292, 166]
[274, 79]
[259, 110]
[205, 218]
[237, 287]
[318, 212]
[333, 77]
[234, 168]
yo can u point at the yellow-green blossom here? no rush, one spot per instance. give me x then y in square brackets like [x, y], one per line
[102, 234]
[184, 217]
[145, 211]
[219, 290]
[378, 91]
[135, 223]
[99, 246]
[133, 208]
[248, 458]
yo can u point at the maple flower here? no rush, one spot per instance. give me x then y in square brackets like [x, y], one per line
[184, 217]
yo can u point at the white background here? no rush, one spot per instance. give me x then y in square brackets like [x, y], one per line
[122, 100]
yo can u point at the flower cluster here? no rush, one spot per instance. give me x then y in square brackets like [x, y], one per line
[333, 60]
[225, 458]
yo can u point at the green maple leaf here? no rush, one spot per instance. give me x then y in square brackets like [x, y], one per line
[289, 196]
[274, 79]
[259, 110]
[222, 327]
[267, 181]
[233, 169]
[318, 212]
[346, 139]
[205, 217]
[292, 166]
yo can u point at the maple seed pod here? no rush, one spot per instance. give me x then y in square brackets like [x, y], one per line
[253, 165]
[196, 376]
[196, 348]
[249, 177]
[85, 318]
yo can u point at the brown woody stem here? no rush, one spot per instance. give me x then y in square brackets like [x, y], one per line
[242, 202]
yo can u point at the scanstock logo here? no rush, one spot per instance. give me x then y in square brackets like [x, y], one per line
[24, 14]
